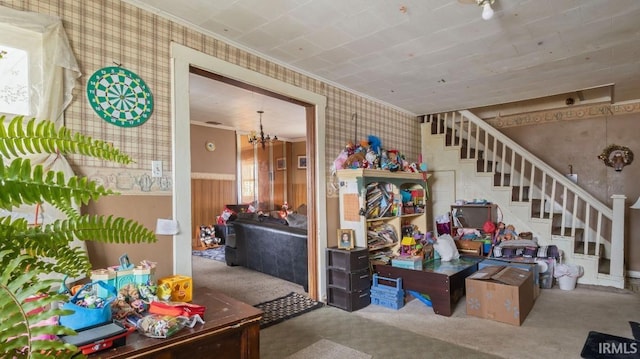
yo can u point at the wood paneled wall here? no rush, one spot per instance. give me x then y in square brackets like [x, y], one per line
[298, 195]
[208, 198]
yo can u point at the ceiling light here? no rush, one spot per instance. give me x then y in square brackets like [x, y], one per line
[487, 11]
[262, 140]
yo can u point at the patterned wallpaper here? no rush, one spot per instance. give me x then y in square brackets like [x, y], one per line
[113, 33]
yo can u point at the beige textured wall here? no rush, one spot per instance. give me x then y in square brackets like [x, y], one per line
[220, 161]
[578, 143]
[146, 210]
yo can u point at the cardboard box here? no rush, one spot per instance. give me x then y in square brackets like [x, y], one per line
[528, 264]
[503, 294]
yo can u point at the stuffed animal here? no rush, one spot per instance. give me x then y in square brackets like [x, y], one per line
[372, 158]
[355, 160]
[374, 143]
[394, 160]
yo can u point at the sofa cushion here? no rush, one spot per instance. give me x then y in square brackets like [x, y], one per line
[272, 220]
[297, 220]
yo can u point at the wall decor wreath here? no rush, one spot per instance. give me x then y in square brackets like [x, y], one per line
[617, 157]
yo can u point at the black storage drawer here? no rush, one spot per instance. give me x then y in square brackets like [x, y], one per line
[349, 281]
[348, 301]
[348, 260]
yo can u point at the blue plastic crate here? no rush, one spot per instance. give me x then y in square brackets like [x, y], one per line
[386, 295]
[386, 302]
[381, 287]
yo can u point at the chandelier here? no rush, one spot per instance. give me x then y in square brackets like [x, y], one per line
[263, 140]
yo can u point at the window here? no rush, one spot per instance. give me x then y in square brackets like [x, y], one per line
[14, 89]
[21, 66]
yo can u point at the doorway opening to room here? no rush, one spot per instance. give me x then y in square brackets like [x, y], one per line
[242, 164]
[183, 60]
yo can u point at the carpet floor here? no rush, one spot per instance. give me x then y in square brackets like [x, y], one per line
[557, 326]
[326, 349]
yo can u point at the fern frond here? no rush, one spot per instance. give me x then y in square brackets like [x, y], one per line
[22, 317]
[41, 136]
[23, 184]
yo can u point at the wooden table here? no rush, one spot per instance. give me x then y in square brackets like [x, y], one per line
[231, 330]
[444, 282]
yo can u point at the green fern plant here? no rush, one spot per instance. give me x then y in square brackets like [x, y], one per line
[29, 251]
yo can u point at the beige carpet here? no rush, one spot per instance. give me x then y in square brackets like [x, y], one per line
[557, 326]
[326, 349]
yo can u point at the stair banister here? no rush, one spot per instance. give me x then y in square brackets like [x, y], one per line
[599, 206]
[617, 246]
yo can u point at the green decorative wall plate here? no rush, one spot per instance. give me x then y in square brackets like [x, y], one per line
[120, 97]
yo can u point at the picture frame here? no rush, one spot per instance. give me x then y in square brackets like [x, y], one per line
[346, 239]
[302, 162]
[281, 164]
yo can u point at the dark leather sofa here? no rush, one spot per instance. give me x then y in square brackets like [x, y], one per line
[268, 247]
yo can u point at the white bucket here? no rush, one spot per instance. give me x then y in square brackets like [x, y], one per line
[567, 282]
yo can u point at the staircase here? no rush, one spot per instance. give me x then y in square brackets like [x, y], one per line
[531, 195]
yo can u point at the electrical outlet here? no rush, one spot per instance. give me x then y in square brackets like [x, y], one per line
[156, 168]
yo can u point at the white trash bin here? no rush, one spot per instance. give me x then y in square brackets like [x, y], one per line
[567, 275]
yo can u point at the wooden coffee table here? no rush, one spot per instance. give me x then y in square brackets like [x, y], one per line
[231, 330]
[443, 282]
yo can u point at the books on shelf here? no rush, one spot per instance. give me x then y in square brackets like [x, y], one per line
[379, 198]
[380, 234]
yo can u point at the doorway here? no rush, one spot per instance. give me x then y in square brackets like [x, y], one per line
[182, 59]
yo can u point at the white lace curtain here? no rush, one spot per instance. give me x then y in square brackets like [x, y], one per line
[53, 72]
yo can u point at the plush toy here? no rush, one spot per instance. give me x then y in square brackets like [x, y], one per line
[505, 233]
[372, 158]
[374, 143]
[510, 233]
[225, 216]
[338, 163]
[394, 164]
[355, 160]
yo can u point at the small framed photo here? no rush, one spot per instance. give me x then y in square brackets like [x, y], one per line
[302, 162]
[281, 163]
[346, 238]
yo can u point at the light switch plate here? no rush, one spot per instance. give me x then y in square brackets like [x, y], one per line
[156, 168]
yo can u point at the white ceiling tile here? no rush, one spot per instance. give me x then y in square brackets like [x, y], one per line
[329, 37]
[530, 48]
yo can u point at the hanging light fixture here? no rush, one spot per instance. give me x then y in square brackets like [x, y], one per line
[487, 11]
[262, 140]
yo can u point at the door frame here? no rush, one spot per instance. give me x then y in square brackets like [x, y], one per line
[182, 58]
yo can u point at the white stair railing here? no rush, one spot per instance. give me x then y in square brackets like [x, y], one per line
[514, 166]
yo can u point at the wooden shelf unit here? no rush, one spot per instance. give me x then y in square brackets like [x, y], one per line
[369, 215]
[472, 215]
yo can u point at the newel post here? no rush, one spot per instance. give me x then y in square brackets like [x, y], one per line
[617, 236]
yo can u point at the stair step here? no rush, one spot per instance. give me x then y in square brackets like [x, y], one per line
[604, 266]
[515, 194]
[480, 167]
[505, 182]
[591, 250]
[556, 231]
[473, 153]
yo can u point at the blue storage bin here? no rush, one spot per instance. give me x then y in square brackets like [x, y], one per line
[385, 295]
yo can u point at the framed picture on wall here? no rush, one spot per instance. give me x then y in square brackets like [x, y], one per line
[281, 163]
[346, 238]
[302, 162]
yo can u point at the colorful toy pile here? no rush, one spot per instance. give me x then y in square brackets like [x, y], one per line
[370, 154]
